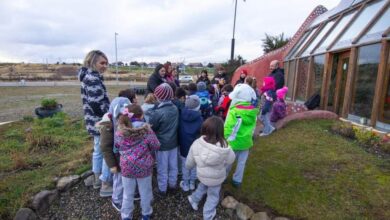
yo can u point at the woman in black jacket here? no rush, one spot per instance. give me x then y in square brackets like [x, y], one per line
[156, 78]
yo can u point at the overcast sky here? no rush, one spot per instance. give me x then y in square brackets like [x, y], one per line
[149, 30]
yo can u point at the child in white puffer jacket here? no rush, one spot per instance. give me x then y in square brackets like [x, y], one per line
[211, 155]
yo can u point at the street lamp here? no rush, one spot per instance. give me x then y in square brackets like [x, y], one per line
[116, 58]
[234, 29]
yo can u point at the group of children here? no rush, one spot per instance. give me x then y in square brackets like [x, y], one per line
[180, 129]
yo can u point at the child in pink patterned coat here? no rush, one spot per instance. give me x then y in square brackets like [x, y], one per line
[136, 142]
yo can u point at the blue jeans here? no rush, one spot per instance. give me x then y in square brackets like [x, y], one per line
[167, 169]
[98, 163]
[117, 188]
[267, 123]
[209, 208]
[188, 175]
[145, 191]
[241, 157]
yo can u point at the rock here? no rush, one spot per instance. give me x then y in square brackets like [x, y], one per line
[41, 201]
[313, 114]
[260, 216]
[230, 213]
[229, 203]
[86, 174]
[281, 218]
[243, 211]
[66, 182]
[25, 214]
[89, 181]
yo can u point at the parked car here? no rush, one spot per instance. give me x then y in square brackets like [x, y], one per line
[185, 79]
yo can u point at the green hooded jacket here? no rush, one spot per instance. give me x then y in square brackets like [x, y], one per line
[240, 124]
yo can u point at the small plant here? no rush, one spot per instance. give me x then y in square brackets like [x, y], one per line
[344, 129]
[366, 138]
[49, 104]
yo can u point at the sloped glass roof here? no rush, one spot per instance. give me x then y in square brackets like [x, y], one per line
[380, 26]
[358, 24]
[306, 40]
[297, 45]
[333, 34]
[318, 38]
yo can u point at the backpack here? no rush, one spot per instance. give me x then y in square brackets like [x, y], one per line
[313, 102]
[205, 104]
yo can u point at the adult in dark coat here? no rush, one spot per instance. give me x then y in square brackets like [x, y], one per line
[203, 78]
[277, 73]
[243, 75]
[220, 75]
[156, 78]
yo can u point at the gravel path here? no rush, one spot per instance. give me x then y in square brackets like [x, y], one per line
[83, 202]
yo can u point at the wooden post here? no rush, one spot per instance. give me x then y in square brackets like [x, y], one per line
[295, 79]
[350, 82]
[380, 82]
[326, 81]
[310, 77]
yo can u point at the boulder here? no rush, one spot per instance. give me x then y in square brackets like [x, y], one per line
[281, 218]
[89, 181]
[243, 211]
[41, 201]
[229, 203]
[260, 216]
[64, 183]
[25, 214]
[86, 174]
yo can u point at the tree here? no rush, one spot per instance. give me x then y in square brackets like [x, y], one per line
[210, 65]
[271, 43]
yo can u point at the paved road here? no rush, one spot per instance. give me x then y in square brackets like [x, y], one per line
[68, 83]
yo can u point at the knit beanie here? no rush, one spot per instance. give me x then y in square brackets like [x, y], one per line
[244, 71]
[269, 84]
[201, 86]
[192, 102]
[163, 92]
[281, 93]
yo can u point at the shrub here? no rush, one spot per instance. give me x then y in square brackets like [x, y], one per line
[366, 138]
[385, 147]
[48, 103]
[344, 129]
[28, 118]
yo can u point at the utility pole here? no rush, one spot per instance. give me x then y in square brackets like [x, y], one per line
[234, 29]
[116, 58]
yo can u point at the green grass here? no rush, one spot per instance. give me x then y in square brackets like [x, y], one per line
[304, 171]
[32, 153]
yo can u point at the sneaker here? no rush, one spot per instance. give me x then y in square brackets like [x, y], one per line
[262, 134]
[193, 204]
[160, 194]
[236, 184]
[184, 186]
[117, 206]
[106, 190]
[137, 196]
[145, 217]
[272, 129]
[192, 185]
[97, 183]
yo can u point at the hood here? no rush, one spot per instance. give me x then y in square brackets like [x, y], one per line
[117, 104]
[135, 132]
[215, 153]
[189, 115]
[106, 119]
[82, 73]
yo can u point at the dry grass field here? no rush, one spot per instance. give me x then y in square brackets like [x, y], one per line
[17, 102]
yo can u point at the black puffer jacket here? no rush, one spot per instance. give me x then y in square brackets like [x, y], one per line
[155, 79]
[278, 75]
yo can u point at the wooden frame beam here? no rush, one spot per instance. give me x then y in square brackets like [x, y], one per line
[310, 73]
[295, 79]
[380, 82]
[326, 81]
[350, 82]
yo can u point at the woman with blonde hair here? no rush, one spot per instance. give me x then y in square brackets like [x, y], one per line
[95, 104]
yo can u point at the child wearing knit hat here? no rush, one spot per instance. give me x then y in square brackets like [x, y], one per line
[189, 130]
[279, 107]
[164, 119]
[268, 98]
[205, 102]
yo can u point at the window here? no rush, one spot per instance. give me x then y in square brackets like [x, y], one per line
[302, 78]
[333, 81]
[293, 50]
[304, 43]
[318, 38]
[358, 24]
[336, 30]
[384, 115]
[318, 74]
[365, 80]
[375, 32]
[291, 79]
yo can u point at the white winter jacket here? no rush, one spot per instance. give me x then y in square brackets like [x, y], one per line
[210, 160]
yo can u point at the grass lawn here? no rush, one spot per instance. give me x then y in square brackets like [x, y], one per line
[33, 153]
[306, 172]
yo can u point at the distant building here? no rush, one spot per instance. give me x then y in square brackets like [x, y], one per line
[153, 64]
[195, 65]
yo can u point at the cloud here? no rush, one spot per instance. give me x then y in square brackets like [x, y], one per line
[156, 30]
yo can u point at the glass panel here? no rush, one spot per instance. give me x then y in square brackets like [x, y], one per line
[304, 43]
[290, 79]
[318, 38]
[329, 39]
[385, 117]
[365, 80]
[332, 86]
[289, 56]
[318, 74]
[358, 24]
[302, 78]
[378, 28]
